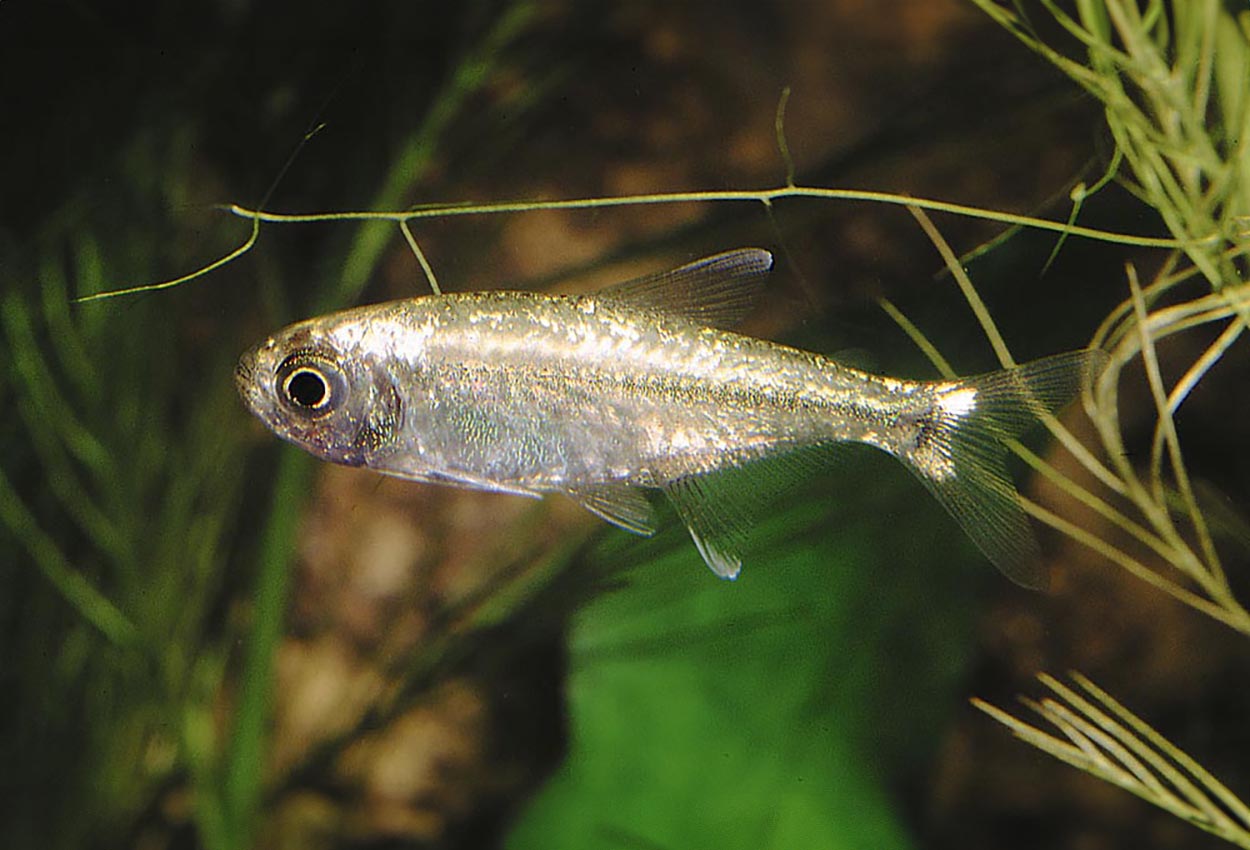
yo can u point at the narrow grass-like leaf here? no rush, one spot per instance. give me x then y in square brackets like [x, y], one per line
[42, 388]
[1108, 741]
[1212, 574]
[92, 605]
[245, 764]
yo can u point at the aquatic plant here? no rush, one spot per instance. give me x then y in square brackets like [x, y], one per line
[1100, 736]
[1172, 80]
[128, 533]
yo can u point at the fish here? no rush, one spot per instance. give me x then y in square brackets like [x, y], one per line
[639, 387]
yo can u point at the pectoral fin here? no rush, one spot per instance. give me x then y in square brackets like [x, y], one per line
[620, 504]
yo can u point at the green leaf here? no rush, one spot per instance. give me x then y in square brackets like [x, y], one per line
[773, 711]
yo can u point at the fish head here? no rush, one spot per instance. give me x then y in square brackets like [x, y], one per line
[314, 384]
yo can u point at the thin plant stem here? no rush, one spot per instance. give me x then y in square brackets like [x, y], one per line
[988, 327]
[1235, 617]
[921, 341]
[1176, 398]
[420, 255]
[763, 196]
[1091, 501]
[244, 766]
[779, 129]
[1206, 576]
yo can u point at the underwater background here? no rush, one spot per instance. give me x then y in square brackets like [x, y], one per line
[209, 639]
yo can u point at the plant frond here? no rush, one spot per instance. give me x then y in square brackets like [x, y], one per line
[1084, 726]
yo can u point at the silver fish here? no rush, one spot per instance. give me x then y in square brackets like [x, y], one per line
[639, 386]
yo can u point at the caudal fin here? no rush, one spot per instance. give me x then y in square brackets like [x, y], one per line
[960, 452]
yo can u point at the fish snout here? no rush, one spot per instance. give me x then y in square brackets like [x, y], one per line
[247, 377]
[245, 372]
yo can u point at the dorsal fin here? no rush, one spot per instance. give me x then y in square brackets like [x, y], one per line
[714, 292]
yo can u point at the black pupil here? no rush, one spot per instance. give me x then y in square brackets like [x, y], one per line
[306, 388]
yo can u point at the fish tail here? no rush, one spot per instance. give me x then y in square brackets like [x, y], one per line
[959, 450]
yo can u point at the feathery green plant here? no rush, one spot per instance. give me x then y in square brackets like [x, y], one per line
[1173, 81]
[132, 514]
[1103, 738]
[1119, 748]
[120, 499]
[1204, 147]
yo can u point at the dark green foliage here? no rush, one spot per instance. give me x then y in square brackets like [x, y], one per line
[119, 493]
[145, 563]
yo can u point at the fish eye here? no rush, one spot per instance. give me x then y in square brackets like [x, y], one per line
[307, 388]
[312, 385]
